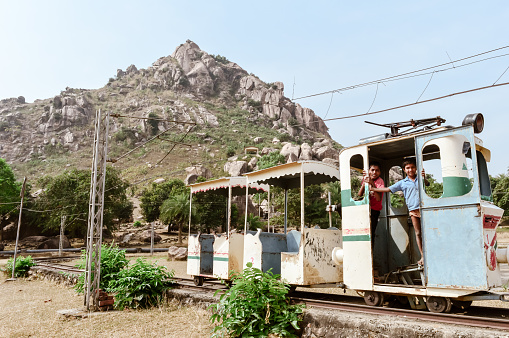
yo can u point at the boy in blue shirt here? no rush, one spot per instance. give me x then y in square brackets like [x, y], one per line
[410, 188]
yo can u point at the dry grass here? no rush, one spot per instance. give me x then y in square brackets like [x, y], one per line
[28, 308]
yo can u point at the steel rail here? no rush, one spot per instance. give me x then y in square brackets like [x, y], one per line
[493, 323]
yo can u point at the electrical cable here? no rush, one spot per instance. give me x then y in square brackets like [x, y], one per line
[404, 75]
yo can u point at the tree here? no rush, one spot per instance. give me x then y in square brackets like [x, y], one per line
[9, 188]
[68, 195]
[153, 197]
[176, 209]
[500, 191]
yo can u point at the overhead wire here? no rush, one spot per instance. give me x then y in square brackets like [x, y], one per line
[415, 72]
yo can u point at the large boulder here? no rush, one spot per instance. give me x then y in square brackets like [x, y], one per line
[199, 170]
[290, 149]
[331, 161]
[306, 153]
[252, 163]
[33, 240]
[236, 168]
[53, 243]
[177, 254]
[145, 236]
[326, 152]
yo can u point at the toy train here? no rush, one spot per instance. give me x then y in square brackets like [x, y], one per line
[461, 261]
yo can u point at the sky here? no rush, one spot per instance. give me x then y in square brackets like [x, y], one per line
[312, 47]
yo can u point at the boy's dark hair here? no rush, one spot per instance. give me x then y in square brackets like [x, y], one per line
[409, 161]
[376, 164]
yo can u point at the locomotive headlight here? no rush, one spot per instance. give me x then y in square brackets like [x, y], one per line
[476, 120]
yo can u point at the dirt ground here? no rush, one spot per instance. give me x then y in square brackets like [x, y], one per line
[28, 308]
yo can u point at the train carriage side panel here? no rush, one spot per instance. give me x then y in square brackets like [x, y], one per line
[357, 261]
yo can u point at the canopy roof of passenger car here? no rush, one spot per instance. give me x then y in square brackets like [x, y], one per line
[221, 185]
[287, 176]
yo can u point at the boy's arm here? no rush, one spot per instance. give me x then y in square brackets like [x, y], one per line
[364, 180]
[384, 189]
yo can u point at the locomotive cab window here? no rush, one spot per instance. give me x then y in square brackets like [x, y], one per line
[356, 168]
[448, 166]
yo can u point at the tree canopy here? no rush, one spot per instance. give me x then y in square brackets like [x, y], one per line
[500, 191]
[9, 188]
[68, 195]
[153, 197]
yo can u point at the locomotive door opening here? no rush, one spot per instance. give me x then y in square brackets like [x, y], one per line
[451, 234]
[357, 261]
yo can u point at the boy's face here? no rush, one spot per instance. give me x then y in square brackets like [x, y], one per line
[374, 172]
[411, 170]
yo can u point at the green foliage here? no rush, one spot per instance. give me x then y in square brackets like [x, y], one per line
[220, 59]
[153, 124]
[434, 189]
[254, 222]
[23, 264]
[125, 134]
[68, 194]
[500, 191]
[137, 224]
[113, 260]
[230, 151]
[397, 201]
[272, 159]
[9, 188]
[141, 285]
[153, 197]
[256, 306]
[176, 210]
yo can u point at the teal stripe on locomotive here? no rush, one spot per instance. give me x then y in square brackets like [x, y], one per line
[347, 200]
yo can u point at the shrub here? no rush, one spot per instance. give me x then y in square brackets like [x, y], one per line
[272, 159]
[256, 305]
[113, 260]
[23, 264]
[230, 151]
[141, 285]
[137, 224]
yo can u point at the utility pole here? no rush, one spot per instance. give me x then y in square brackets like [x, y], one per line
[96, 210]
[62, 226]
[19, 225]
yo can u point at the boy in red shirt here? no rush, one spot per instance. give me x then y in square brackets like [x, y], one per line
[375, 198]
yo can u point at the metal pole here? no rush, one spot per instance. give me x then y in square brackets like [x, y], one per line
[302, 199]
[229, 209]
[268, 212]
[152, 240]
[60, 244]
[19, 225]
[330, 212]
[245, 212]
[286, 210]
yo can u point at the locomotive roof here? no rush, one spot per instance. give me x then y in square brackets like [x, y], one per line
[404, 146]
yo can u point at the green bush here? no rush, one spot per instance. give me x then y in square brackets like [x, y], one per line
[141, 285]
[230, 151]
[137, 224]
[113, 260]
[23, 264]
[256, 306]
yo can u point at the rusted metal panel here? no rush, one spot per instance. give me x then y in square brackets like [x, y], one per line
[490, 217]
[312, 264]
[453, 248]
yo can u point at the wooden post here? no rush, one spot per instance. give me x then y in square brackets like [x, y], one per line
[19, 225]
[152, 240]
[330, 212]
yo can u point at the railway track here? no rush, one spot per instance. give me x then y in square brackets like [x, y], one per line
[482, 317]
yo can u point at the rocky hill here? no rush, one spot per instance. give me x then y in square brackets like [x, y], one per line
[232, 109]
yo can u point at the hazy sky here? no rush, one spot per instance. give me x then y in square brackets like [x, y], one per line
[319, 46]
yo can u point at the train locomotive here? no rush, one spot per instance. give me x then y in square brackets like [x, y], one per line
[461, 258]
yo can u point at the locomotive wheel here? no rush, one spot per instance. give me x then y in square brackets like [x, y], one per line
[461, 304]
[438, 304]
[373, 298]
[198, 280]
